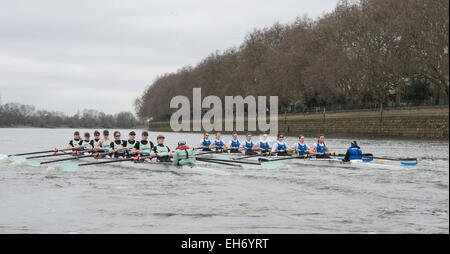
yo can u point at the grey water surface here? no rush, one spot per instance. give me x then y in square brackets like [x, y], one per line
[291, 199]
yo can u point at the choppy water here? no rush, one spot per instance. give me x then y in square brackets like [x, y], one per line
[292, 199]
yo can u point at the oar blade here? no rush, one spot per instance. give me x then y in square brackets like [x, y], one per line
[272, 165]
[3, 157]
[33, 163]
[69, 166]
[17, 159]
[222, 158]
[408, 163]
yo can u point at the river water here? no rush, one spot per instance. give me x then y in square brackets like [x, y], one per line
[291, 199]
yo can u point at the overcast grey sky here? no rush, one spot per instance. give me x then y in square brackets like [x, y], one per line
[101, 54]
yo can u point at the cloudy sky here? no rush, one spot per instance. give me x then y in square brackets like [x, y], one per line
[70, 55]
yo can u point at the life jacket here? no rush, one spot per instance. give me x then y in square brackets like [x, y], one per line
[264, 145]
[105, 144]
[116, 145]
[206, 142]
[185, 156]
[235, 143]
[355, 153]
[248, 145]
[85, 143]
[162, 149]
[281, 147]
[145, 149]
[131, 145]
[75, 142]
[321, 148]
[219, 144]
[303, 149]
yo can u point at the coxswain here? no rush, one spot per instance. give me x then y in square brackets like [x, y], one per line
[353, 153]
[301, 147]
[183, 155]
[205, 143]
[234, 144]
[162, 151]
[319, 148]
[248, 145]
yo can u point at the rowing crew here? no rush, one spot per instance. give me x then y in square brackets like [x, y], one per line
[118, 148]
[280, 147]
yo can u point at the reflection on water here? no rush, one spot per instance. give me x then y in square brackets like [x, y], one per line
[291, 199]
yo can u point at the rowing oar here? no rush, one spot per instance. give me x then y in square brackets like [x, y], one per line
[228, 161]
[17, 157]
[246, 157]
[267, 165]
[57, 154]
[76, 157]
[37, 164]
[49, 151]
[70, 166]
[402, 160]
[217, 162]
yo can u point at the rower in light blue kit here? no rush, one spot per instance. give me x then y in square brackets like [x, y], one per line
[73, 143]
[104, 143]
[353, 153]
[86, 144]
[117, 146]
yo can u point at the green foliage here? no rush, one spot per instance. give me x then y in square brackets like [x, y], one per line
[363, 53]
[15, 114]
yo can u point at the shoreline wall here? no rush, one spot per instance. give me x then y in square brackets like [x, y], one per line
[416, 123]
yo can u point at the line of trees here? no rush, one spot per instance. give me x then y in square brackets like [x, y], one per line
[381, 52]
[15, 114]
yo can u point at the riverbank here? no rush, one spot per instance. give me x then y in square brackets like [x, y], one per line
[412, 123]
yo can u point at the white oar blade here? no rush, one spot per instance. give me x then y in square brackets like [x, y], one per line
[33, 163]
[272, 165]
[69, 166]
